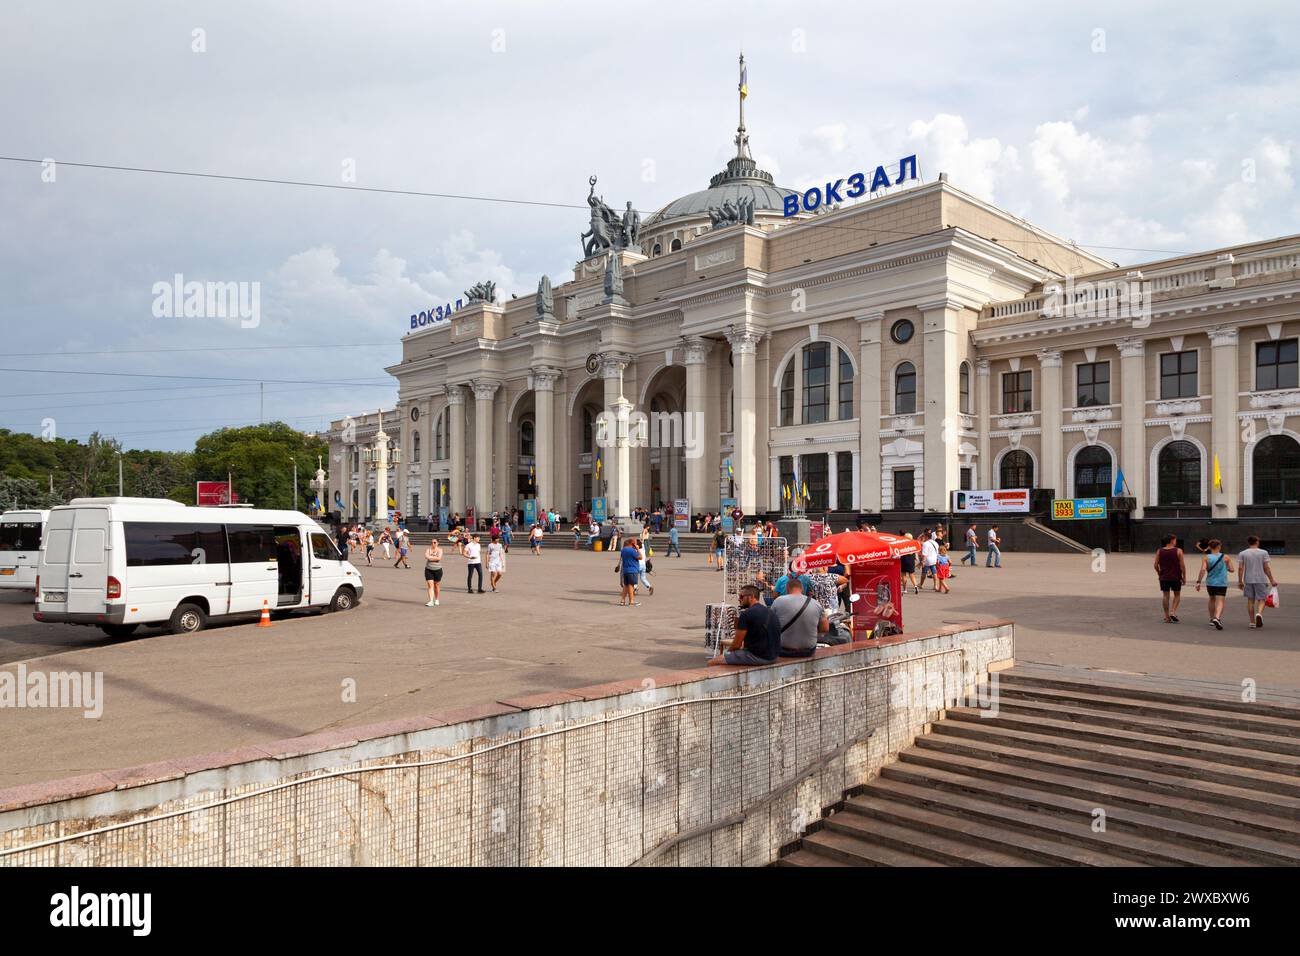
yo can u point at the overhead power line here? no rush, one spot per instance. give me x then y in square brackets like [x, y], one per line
[228, 177]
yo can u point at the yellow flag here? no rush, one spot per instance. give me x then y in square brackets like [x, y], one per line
[1218, 478]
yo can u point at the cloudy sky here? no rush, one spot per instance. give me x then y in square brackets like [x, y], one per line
[1137, 129]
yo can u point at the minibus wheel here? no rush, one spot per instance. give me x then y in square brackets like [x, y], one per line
[188, 619]
[344, 600]
[118, 630]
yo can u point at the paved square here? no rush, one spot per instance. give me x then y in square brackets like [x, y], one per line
[556, 624]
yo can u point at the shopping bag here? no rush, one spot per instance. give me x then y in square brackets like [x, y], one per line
[1273, 600]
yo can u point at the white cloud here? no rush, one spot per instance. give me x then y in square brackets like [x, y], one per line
[944, 145]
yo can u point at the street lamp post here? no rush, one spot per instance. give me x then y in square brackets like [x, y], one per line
[318, 486]
[295, 482]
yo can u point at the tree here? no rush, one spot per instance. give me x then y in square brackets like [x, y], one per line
[258, 459]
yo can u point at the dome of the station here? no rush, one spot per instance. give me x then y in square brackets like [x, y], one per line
[742, 179]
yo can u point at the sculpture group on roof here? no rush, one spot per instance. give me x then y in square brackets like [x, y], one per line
[608, 229]
[481, 292]
[731, 212]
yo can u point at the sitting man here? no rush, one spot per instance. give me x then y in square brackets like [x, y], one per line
[755, 642]
[801, 622]
[783, 582]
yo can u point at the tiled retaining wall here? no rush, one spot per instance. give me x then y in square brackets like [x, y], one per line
[708, 767]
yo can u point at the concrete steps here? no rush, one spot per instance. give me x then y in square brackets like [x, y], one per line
[1082, 771]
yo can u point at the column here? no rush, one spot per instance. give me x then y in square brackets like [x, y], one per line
[942, 472]
[1133, 394]
[983, 409]
[857, 483]
[612, 366]
[483, 412]
[457, 463]
[544, 380]
[832, 478]
[744, 345]
[774, 482]
[1224, 427]
[1049, 364]
[869, 391]
[700, 472]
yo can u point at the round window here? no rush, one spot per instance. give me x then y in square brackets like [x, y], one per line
[415, 414]
[902, 331]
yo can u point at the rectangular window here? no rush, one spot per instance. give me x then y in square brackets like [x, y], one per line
[158, 544]
[1276, 365]
[846, 386]
[1093, 380]
[1017, 392]
[787, 395]
[966, 479]
[1178, 371]
[904, 489]
[816, 476]
[786, 467]
[844, 481]
[816, 383]
[20, 536]
[251, 544]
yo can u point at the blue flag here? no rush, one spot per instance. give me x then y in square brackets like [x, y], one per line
[1119, 483]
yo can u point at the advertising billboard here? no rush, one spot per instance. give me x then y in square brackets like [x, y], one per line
[1078, 509]
[212, 493]
[1002, 501]
[682, 514]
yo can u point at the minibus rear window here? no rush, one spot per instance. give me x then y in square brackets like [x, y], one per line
[20, 536]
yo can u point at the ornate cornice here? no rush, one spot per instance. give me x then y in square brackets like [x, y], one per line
[456, 394]
[744, 341]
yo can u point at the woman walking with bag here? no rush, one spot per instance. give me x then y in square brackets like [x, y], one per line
[1215, 568]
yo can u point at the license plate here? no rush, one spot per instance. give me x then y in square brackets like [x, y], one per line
[6, 570]
[56, 597]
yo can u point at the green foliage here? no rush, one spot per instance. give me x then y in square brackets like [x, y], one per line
[258, 457]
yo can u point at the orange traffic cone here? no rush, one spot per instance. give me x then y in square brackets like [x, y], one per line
[266, 616]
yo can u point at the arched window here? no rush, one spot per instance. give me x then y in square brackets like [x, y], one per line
[440, 436]
[963, 388]
[1276, 471]
[674, 245]
[1092, 478]
[905, 389]
[1017, 470]
[787, 394]
[415, 446]
[846, 387]
[1178, 474]
[526, 435]
[816, 383]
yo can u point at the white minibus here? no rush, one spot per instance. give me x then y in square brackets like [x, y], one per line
[117, 563]
[20, 547]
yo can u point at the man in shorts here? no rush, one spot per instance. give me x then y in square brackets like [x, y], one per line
[757, 639]
[1255, 578]
[1171, 571]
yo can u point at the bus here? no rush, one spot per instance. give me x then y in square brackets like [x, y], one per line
[119, 563]
[20, 547]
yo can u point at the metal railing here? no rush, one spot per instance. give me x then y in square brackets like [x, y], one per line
[591, 793]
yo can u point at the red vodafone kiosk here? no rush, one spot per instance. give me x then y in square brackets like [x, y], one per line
[871, 560]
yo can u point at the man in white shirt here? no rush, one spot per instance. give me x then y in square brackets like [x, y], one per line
[473, 555]
[930, 559]
[994, 560]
